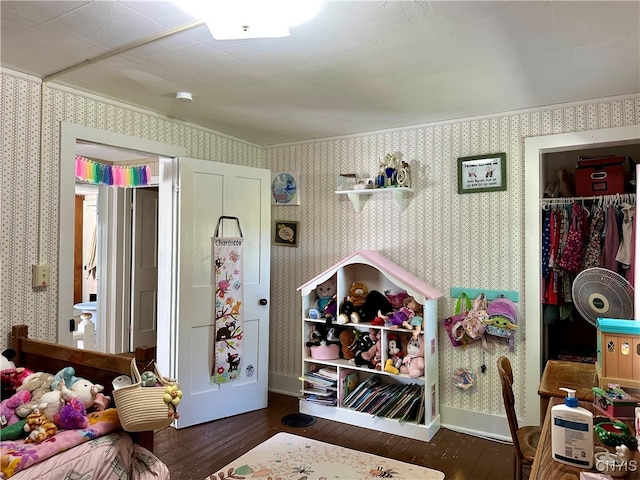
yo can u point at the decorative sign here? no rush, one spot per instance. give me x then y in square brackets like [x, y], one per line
[482, 173]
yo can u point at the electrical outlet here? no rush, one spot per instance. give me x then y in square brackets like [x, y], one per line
[41, 275]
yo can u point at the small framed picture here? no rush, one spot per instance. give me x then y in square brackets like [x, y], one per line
[285, 233]
[285, 188]
[482, 173]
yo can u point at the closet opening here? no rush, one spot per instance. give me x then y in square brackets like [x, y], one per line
[568, 323]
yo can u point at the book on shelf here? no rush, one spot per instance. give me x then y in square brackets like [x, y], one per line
[348, 382]
[322, 392]
[411, 410]
[361, 389]
[316, 379]
[329, 372]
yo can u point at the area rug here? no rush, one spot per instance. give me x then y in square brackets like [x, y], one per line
[291, 457]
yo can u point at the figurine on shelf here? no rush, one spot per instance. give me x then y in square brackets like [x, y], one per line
[404, 316]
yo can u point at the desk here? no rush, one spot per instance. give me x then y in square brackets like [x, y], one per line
[546, 468]
[557, 373]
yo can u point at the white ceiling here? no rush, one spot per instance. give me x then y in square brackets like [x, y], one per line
[358, 66]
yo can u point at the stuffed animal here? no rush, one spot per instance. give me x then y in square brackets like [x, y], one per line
[8, 408]
[51, 402]
[413, 362]
[11, 377]
[86, 392]
[395, 298]
[71, 416]
[364, 344]
[347, 313]
[358, 293]
[374, 355]
[348, 338]
[415, 321]
[39, 427]
[403, 316]
[172, 396]
[148, 379]
[325, 291]
[375, 302]
[68, 374]
[394, 354]
[37, 384]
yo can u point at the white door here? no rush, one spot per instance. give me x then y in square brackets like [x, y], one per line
[203, 191]
[144, 268]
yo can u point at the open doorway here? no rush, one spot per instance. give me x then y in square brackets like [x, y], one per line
[115, 251]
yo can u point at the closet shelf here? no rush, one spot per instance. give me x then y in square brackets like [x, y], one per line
[356, 196]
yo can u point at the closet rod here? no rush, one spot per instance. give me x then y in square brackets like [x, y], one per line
[621, 197]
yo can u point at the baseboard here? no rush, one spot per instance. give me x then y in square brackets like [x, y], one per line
[284, 384]
[494, 427]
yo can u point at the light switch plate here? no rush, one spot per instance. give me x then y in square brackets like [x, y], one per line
[41, 275]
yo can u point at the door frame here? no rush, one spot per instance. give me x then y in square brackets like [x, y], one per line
[113, 338]
[535, 148]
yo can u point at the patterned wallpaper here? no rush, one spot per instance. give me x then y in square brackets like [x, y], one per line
[449, 240]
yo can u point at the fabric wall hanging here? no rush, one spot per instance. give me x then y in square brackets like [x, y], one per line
[227, 300]
[112, 175]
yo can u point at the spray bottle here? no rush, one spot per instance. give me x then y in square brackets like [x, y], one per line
[572, 432]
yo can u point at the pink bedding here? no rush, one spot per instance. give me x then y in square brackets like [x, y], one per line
[86, 453]
[113, 456]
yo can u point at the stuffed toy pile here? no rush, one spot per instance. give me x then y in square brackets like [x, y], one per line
[38, 404]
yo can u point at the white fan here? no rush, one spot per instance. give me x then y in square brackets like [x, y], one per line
[602, 293]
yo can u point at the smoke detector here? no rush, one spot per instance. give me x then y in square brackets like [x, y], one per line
[184, 96]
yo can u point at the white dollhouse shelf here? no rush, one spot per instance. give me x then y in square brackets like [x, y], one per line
[356, 196]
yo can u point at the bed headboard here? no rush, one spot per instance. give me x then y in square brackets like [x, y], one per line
[97, 367]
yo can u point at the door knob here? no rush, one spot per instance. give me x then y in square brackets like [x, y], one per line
[262, 301]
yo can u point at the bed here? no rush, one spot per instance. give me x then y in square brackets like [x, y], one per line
[104, 452]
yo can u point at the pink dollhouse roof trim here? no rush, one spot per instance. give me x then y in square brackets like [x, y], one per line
[392, 270]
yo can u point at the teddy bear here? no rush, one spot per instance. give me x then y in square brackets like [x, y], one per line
[348, 338]
[358, 293]
[37, 384]
[8, 408]
[325, 293]
[413, 362]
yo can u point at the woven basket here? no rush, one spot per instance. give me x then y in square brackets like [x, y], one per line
[143, 408]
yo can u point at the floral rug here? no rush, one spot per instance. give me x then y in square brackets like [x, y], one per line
[291, 457]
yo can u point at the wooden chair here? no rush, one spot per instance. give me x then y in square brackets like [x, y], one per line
[525, 439]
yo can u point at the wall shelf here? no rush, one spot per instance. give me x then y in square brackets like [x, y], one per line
[357, 197]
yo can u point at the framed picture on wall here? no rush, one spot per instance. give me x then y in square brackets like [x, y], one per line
[285, 233]
[285, 188]
[482, 173]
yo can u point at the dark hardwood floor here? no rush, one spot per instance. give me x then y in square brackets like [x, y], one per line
[198, 451]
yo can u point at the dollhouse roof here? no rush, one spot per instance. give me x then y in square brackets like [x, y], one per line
[395, 273]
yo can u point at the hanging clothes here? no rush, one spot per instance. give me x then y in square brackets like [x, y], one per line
[624, 250]
[630, 273]
[593, 250]
[611, 240]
